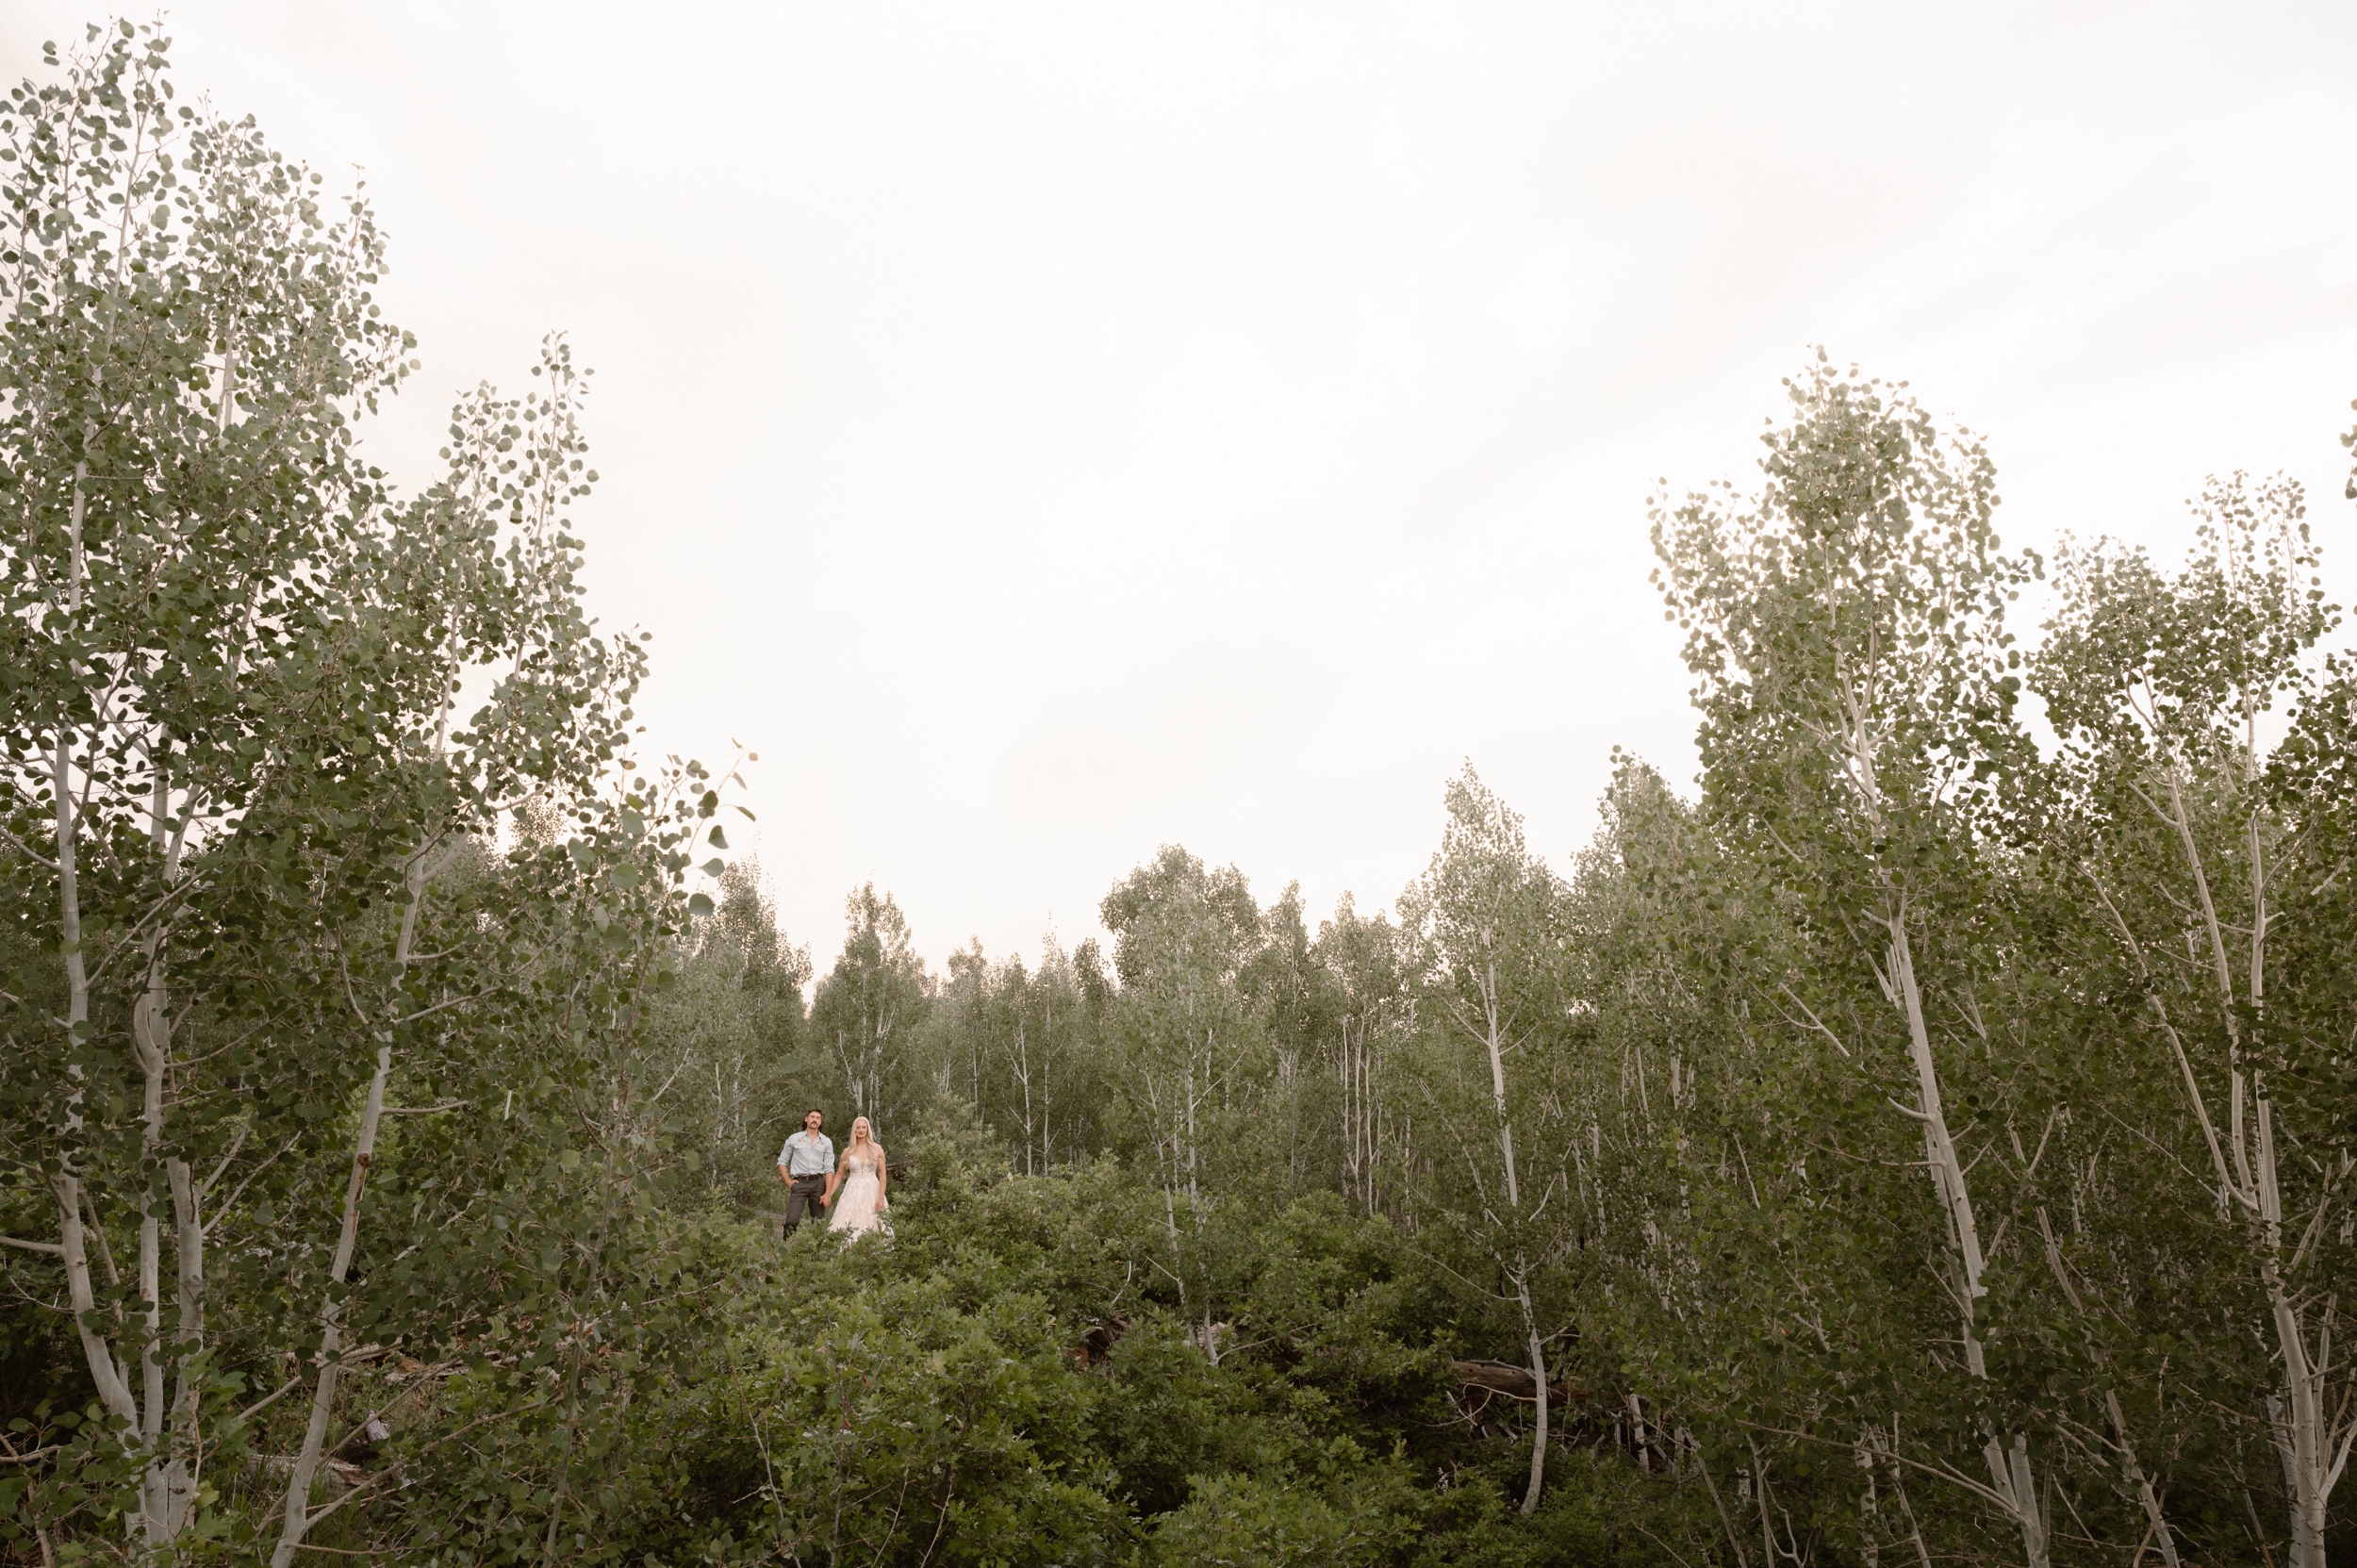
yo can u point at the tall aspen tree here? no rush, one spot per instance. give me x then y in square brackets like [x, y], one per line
[2199, 844]
[1485, 921]
[1847, 632]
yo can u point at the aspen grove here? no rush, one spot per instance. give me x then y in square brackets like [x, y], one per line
[1931, 1137]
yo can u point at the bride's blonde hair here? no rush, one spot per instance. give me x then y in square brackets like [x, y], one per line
[857, 1122]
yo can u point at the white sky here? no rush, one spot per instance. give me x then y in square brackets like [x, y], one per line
[1044, 433]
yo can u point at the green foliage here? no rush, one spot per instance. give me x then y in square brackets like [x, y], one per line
[305, 1066]
[870, 1010]
[733, 1049]
[1931, 1141]
[1003, 1382]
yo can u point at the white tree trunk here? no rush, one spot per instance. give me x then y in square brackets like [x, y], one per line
[109, 1371]
[1046, 1088]
[2312, 1450]
[296, 1518]
[1539, 1375]
[296, 1521]
[2009, 1469]
[2010, 1475]
[1493, 1040]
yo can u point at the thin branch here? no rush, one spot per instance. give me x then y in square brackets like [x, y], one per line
[359, 1488]
[1814, 1022]
[2200, 1107]
[267, 1400]
[204, 1190]
[29, 852]
[428, 1012]
[231, 1201]
[129, 940]
[1941, 1470]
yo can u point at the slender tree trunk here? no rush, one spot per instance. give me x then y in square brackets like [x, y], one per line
[1539, 1376]
[2301, 1421]
[2009, 1469]
[2010, 1475]
[1493, 1038]
[1870, 1546]
[189, 1256]
[156, 1502]
[1195, 1093]
[1167, 1157]
[2132, 1473]
[1759, 1497]
[165, 1489]
[1726, 1520]
[175, 1456]
[114, 1392]
[110, 1377]
[1195, 1195]
[1343, 1070]
[297, 1516]
[296, 1520]
[1023, 1073]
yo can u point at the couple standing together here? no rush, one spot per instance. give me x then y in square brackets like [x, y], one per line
[807, 1165]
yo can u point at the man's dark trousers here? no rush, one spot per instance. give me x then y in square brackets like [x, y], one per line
[801, 1198]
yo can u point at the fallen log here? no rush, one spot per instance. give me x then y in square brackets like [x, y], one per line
[1513, 1381]
[1098, 1344]
[340, 1474]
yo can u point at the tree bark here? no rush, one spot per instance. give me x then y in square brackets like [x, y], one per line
[1508, 1378]
[1493, 1038]
[2302, 1425]
[1539, 1427]
[2010, 1474]
[296, 1519]
[297, 1516]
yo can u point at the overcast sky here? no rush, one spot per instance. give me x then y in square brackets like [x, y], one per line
[1047, 432]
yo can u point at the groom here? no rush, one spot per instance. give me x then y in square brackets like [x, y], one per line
[803, 1165]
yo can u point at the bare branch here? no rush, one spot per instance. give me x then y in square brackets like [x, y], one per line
[29, 852]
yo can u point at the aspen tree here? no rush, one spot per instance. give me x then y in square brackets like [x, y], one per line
[2199, 845]
[1183, 933]
[188, 333]
[870, 1005]
[230, 649]
[1847, 632]
[1485, 921]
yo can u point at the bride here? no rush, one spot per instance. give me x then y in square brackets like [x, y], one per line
[862, 1176]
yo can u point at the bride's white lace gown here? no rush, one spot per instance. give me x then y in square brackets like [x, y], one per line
[857, 1206]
